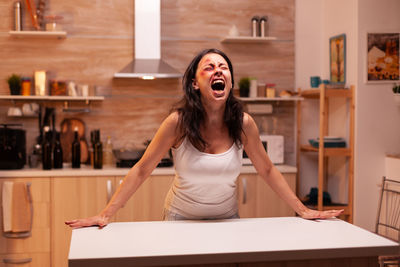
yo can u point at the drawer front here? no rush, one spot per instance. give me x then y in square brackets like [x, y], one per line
[25, 260]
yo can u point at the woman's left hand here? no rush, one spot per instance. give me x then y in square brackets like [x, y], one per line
[316, 214]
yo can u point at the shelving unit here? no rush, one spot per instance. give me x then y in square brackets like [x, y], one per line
[44, 34]
[324, 95]
[247, 39]
[51, 98]
[268, 99]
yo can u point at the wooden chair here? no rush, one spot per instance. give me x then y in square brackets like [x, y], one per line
[388, 218]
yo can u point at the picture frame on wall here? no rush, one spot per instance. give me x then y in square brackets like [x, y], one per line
[337, 59]
[383, 58]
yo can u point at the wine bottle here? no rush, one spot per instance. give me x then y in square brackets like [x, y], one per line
[57, 153]
[97, 151]
[46, 150]
[76, 150]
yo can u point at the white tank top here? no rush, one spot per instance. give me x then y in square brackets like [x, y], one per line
[205, 184]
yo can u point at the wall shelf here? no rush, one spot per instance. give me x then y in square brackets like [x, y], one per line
[247, 39]
[40, 34]
[268, 99]
[52, 98]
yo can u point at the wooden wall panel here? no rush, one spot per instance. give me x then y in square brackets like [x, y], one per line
[100, 42]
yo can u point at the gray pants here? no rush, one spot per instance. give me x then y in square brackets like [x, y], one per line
[171, 216]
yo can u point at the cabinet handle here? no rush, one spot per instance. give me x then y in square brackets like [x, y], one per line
[109, 190]
[17, 261]
[244, 186]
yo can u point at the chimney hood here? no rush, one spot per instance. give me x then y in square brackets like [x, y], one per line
[147, 63]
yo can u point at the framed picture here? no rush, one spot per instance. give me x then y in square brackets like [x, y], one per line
[337, 59]
[383, 57]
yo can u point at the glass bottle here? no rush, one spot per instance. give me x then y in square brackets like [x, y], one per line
[97, 151]
[57, 153]
[107, 153]
[46, 150]
[76, 150]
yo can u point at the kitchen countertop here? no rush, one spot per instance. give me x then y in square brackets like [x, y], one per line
[109, 171]
[223, 241]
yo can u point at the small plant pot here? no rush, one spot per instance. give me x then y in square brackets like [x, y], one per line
[244, 92]
[15, 90]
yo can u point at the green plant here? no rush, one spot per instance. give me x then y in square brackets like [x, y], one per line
[396, 88]
[14, 82]
[244, 86]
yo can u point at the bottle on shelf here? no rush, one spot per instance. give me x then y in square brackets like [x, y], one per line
[57, 153]
[76, 150]
[108, 158]
[97, 151]
[46, 149]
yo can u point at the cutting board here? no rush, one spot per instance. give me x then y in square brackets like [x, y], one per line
[67, 137]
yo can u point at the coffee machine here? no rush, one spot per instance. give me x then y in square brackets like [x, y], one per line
[12, 146]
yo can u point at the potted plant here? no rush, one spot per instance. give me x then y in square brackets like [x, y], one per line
[244, 87]
[14, 82]
[396, 91]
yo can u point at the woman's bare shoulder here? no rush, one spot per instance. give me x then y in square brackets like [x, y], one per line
[171, 124]
[249, 127]
[248, 122]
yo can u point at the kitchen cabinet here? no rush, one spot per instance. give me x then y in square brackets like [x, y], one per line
[257, 199]
[72, 198]
[147, 204]
[33, 250]
[324, 96]
[80, 197]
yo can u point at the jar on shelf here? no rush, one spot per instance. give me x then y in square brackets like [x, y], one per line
[26, 84]
[270, 90]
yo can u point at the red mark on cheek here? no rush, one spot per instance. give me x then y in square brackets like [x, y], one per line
[202, 73]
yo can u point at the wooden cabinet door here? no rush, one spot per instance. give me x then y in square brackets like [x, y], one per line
[247, 197]
[256, 198]
[72, 198]
[147, 203]
[37, 245]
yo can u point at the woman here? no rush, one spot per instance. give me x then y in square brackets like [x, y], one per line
[207, 133]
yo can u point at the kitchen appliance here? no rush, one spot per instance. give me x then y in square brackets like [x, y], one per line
[128, 158]
[274, 145]
[12, 146]
[147, 63]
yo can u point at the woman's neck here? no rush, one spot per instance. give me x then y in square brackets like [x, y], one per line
[214, 117]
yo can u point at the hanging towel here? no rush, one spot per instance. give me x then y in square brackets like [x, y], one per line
[21, 208]
[7, 206]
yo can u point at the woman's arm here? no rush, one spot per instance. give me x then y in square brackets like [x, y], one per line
[164, 139]
[258, 156]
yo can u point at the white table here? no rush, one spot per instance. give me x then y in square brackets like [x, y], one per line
[289, 239]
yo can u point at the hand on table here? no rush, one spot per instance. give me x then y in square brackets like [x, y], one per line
[316, 214]
[99, 220]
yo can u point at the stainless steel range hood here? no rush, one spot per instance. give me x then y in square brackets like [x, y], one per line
[147, 63]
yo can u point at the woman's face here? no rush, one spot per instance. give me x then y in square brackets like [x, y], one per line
[213, 78]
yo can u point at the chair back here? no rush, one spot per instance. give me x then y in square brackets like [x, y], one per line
[388, 217]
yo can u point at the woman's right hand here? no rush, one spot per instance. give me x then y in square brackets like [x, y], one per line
[99, 220]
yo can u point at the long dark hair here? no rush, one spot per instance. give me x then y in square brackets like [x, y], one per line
[191, 111]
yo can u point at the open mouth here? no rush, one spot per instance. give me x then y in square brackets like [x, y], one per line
[218, 85]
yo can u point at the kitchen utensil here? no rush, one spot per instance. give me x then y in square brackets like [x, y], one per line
[32, 13]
